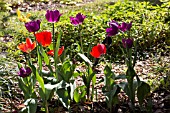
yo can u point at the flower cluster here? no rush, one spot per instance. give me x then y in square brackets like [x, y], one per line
[78, 19]
[44, 38]
[115, 27]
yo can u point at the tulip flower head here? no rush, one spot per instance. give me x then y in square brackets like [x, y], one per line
[78, 19]
[60, 51]
[125, 26]
[53, 16]
[24, 72]
[127, 43]
[113, 30]
[115, 27]
[44, 38]
[28, 46]
[98, 50]
[33, 26]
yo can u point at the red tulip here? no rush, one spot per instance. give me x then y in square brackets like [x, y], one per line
[28, 46]
[60, 51]
[44, 38]
[98, 50]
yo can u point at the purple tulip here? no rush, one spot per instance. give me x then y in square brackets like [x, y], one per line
[33, 26]
[78, 19]
[53, 16]
[113, 30]
[24, 72]
[113, 23]
[127, 43]
[125, 26]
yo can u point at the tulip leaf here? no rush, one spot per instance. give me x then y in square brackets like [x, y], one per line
[79, 93]
[64, 97]
[57, 48]
[24, 88]
[46, 59]
[39, 78]
[30, 106]
[39, 59]
[84, 58]
[142, 91]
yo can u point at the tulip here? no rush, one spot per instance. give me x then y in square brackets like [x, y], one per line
[53, 16]
[125, 26]
[33, 26]
[113, 30]
[24, 72]
[28, 46]
[98, 50]
[127, 43]
[78, 19]
[44, 38]
[60, 51]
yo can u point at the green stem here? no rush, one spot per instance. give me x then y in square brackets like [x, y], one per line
[81, 40]
[54, 40]
[46, 106]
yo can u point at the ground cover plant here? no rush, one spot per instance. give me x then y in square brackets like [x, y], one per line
[51, 49]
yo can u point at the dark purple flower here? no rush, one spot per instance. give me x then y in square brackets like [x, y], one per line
[125, 26]
[24, 72]
[78, 19]
[127, 43]
[53, 16]
[113, 23]
[33, 26]
[113, 30]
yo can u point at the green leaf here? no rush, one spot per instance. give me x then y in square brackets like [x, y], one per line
[64, 97]
[57, 48]
[31, 106]
[72, 87]
[121, 76]
[62, 84]
[85, 58]
[142, 91]
[24, 88]
[39, 59]
[48, 90]
[79, 93]
[46, 59]
[38, 77]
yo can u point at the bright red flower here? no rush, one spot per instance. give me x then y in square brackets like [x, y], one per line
[98, 50]
[28, 46]
[60, 51]
[44, 38]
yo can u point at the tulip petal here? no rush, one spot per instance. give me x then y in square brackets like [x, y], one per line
[101, 48]
[44, 38]
[22, 47]
[95, 52]
[60, 51]
[51, 52]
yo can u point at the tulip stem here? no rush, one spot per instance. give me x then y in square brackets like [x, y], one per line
[54, 40]
[81, 41]
[46, 106]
